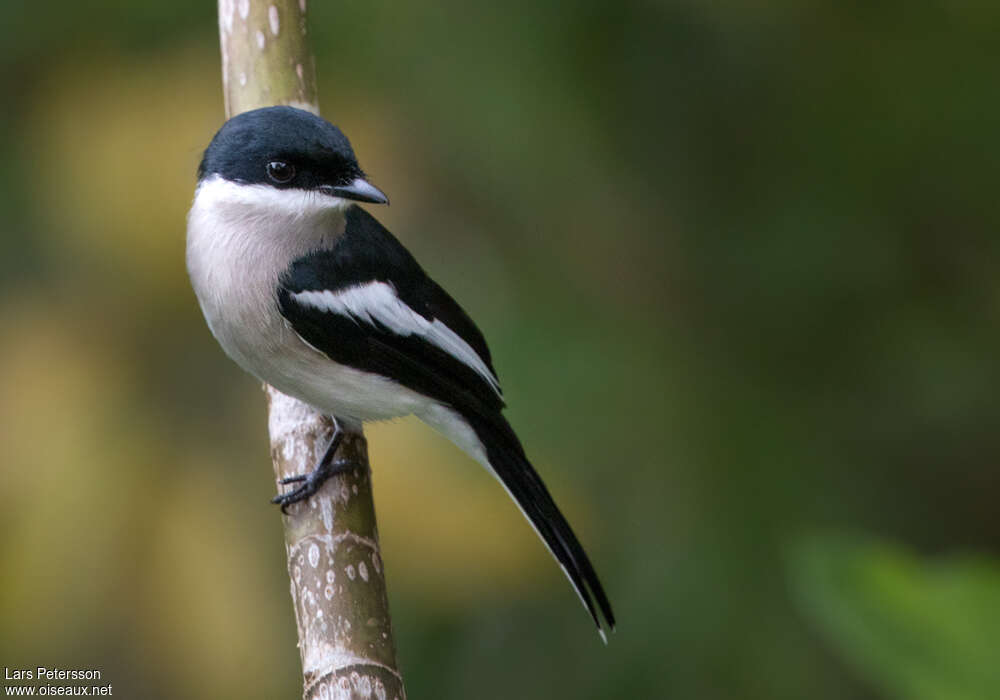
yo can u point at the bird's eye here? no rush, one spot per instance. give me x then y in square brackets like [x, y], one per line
[280, 171]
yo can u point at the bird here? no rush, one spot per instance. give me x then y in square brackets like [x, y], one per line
[307, 291]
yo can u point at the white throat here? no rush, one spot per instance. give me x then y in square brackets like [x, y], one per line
[240, 240]
[264, 210]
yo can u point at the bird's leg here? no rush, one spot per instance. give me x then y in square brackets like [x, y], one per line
[325, 468]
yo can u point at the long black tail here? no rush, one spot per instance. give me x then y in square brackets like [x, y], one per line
[511, 466]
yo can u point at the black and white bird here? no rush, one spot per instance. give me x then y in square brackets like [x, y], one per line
[307, 291]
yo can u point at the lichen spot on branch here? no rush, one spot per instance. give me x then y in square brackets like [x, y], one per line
[273, 19]
[226, 11]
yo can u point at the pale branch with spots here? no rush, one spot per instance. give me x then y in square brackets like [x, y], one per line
[265, 55]
[337, 579]
[336, 573]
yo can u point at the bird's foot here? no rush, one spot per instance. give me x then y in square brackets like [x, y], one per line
[311, 482]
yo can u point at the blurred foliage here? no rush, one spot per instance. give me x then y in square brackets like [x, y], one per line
[923, 630]
[737, 266]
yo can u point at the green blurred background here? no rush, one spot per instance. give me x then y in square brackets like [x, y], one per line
[737, 263]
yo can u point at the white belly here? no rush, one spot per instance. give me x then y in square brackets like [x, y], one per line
[235, 257]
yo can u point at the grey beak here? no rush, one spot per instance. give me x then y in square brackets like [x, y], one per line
[358, 189]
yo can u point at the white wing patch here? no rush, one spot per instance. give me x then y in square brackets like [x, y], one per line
[377, 301]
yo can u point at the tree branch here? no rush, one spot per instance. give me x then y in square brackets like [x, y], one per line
[337, 578]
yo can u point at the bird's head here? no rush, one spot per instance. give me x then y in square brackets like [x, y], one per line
[291, 150]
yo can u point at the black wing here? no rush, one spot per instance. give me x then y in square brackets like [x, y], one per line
[368, 304]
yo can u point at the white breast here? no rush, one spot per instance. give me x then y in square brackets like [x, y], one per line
[241, 238]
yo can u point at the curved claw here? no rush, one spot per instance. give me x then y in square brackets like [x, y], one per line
[311, 482]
